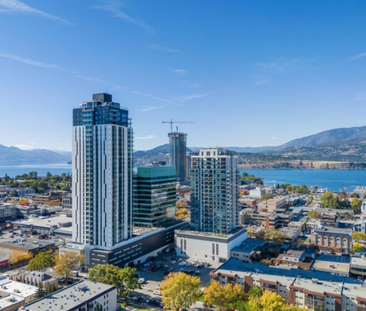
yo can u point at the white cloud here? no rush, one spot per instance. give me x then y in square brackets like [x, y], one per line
[273, 138]
[191, 85]
[279, 67]
[116, 9]
[148, 137]
[152, 96]
[358, 56]
[163, 49]
[186, 98]
[262, 82]
[15, 6]
[359, 96]
[35, 63]
[180, 72]
[151, 108]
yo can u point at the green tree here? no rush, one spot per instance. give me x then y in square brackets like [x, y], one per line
[41, 261]
[255, 291]
[40, 291]
[180, 290]
[68, 262]
[314, 214]
[266, 197]
[356, 205]
[124, 279]
[327, 199]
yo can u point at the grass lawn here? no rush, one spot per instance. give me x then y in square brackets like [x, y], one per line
[201, 298]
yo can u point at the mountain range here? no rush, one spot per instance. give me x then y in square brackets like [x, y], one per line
[342, 144]
[10, 156]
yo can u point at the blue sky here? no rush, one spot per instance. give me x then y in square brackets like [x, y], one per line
[248, 73]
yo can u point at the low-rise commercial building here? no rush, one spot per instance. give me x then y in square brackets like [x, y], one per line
[358, 266]
[14, 294]
[67, 202]
[339, 265]
[328, 238]
[308, 289]
[208, 246]
[36, 278]
[244, 252]
[84, 295]
[8, 212]
[145, 242]
[272, 205]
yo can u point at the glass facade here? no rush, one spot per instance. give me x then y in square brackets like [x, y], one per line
[154, 190]
[177, 154]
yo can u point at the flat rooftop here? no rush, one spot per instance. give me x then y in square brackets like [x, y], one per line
[25, 243]
[69, 297]
[332, 267]
[16, 288]
[235, 266]
[358, 262]
[9, 300]
[211, 234]
[50, 222]
[249, 245]
[333, 230]
[334, 258]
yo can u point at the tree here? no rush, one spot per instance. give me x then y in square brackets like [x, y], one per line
[67, 263]
[266, 197]
[354, 195]
[255, 291]
[124, 279]
[359, 236]
[180, 290]
[41, 261]
[269, 301]
[40, 292]
[357, 247]
[17, 256]
[314, 214]
[356, 205]
[224, 297]
[327, 199]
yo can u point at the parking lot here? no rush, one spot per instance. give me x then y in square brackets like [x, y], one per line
[149, 294]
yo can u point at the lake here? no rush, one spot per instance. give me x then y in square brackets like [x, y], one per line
[54, 169]
[331, 179]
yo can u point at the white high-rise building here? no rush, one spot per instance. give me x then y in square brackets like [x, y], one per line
[214, 191]
[102, 146]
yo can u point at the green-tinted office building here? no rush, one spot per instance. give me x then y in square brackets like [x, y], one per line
[154, 195]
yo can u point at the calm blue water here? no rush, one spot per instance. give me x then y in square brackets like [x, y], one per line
[331, 179]
[54, 169]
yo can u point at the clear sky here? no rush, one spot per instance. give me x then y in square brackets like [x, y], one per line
[248, 73]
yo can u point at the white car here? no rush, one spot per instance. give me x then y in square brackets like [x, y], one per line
[183, 263]
[158, 286]
[141, 281]
[156, 292]
[173, 262]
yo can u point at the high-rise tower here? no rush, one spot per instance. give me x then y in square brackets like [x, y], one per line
[102, 145]
[177, 154]
[214, 191]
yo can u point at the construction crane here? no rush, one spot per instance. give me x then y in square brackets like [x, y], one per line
[172, 122]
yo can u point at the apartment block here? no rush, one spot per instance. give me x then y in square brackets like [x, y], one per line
[312, 290]
[214, 191]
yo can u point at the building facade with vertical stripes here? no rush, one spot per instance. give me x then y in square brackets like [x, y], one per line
[102, 147]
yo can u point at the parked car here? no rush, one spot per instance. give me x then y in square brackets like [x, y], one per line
[183, 263]
[131, 297]
[141, 280]
[156, 292]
